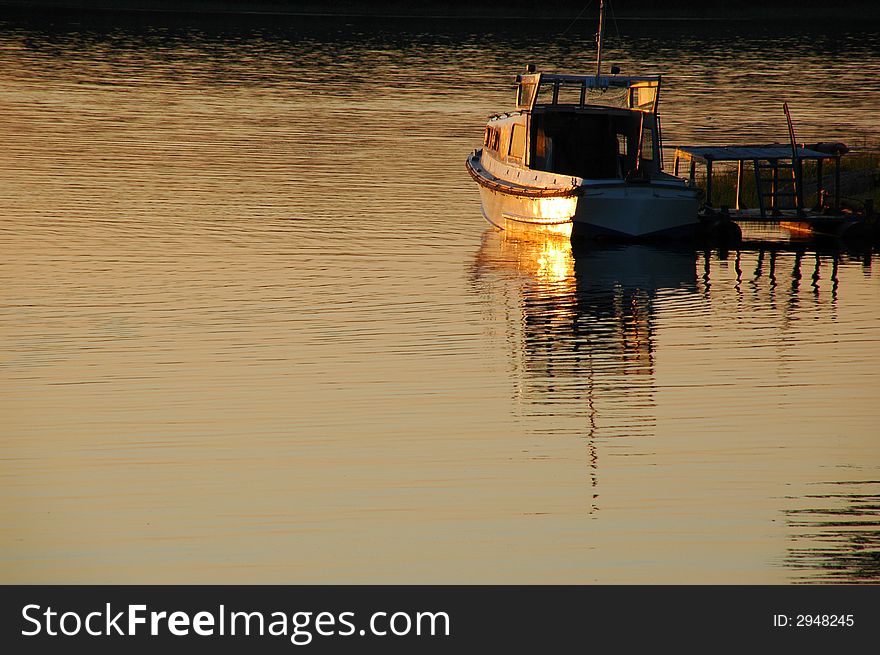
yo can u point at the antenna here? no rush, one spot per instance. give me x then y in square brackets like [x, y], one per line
[599, 38]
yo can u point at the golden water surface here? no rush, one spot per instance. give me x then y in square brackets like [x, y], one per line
[255, 328]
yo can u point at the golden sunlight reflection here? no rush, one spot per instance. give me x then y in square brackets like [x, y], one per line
[554, 263]
[546, 255]
[558, 208]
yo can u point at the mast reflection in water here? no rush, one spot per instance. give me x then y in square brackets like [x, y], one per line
[580, 327]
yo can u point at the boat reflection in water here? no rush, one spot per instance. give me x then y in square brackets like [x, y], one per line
[581, 331]
[580, 325]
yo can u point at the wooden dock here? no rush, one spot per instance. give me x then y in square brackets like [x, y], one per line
[778, 202]
[773, 158]
[825, 218]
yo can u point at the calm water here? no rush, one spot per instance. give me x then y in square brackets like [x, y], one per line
[256, 330]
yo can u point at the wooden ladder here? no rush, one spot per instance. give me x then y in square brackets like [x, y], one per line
[774, 194]
[773, 165]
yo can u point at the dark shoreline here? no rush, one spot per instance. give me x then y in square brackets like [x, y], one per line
[805, 10]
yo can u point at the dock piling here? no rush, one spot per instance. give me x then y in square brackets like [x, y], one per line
[759, 188]
[708, 182]
[739, 176]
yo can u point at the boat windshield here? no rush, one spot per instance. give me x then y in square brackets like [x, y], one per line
[546, 90]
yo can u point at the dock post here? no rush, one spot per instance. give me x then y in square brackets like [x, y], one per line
[799, 186]
[675, 166]
[819, 189]
[708, 182]
[837, 183]
[774, 189]
[759, 187]
[739, 176]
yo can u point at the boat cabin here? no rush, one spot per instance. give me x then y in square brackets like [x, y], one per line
[592, 127]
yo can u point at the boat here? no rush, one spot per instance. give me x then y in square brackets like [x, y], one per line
[582, 155]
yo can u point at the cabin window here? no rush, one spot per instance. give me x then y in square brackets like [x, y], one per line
[592, 145]
[643, 97]
[545, 94]
[569, 94]
[491, 138]
[518, 142]
[526, 92]
[542, 158]
[647, 144]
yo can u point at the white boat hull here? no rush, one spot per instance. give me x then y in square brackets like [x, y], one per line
[518, 213]
[636, 210]
[586, 208]
[628, 211]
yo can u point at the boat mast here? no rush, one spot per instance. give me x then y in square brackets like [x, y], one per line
[599, 38]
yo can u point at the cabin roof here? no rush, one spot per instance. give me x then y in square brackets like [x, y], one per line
[600, 82]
